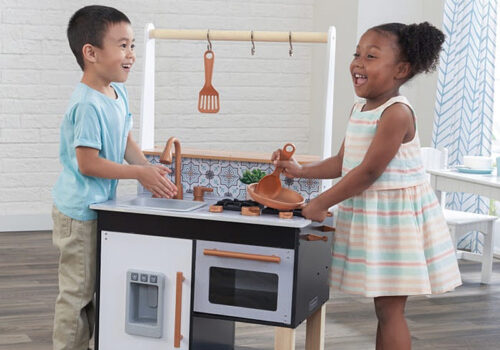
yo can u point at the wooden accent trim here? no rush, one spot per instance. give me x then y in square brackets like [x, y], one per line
[315, 330]
[239, 156]
[238, 255]
[178, 310]
[238, 35]
[284, 338]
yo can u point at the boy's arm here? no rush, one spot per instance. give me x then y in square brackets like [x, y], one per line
[151, 177]
[133, 153]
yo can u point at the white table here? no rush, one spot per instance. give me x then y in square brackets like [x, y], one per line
[453, 181]
[484, 185]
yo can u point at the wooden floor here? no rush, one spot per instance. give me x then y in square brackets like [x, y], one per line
[468, 318]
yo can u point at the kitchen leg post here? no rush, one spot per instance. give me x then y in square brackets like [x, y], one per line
[284, 338]
[315, 330]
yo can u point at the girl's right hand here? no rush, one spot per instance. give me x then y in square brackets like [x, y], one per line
[152, 177]
[291, 168]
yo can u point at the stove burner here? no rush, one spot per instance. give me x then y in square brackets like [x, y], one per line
[267, 210]
[236, 204]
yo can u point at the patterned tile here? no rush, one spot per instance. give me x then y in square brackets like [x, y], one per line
[224, 177]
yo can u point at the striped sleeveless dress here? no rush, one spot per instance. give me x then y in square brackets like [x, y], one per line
[391, 239]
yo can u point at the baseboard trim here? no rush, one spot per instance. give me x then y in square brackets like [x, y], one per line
[25, 222]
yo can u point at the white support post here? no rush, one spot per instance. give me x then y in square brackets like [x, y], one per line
[147, 126]
[328, 126]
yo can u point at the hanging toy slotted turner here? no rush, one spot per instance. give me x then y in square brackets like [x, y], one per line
[208, 100]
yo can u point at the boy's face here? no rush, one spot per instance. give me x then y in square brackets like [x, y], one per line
[115, 58]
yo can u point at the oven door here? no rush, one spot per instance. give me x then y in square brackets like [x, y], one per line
[244, 281]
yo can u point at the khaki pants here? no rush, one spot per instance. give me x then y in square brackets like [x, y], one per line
[75, 310]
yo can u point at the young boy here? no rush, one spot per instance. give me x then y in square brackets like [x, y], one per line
[95, 139]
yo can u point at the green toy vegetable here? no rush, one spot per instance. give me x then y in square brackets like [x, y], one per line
[253, 176]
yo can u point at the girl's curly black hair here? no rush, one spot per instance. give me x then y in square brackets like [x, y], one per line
[419, 44]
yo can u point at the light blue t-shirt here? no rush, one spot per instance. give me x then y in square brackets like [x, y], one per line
[97, 121]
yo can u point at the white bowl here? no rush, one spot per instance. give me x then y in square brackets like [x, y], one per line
[477, 162]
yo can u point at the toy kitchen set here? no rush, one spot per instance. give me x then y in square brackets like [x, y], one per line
[178, 273]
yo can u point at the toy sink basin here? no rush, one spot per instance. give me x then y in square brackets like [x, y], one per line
[286, 199]
[161, 204]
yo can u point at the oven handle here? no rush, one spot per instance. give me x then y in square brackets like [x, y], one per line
[238, 255]
[178, 311]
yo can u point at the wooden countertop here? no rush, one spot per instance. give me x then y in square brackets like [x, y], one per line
[255, 157]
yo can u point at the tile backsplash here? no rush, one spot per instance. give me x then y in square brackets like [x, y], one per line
[224, 177]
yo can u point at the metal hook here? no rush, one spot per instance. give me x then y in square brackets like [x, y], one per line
[209, 45]
[290, 51]
[253, 44]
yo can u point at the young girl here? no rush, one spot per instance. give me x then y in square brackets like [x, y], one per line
[391, 238]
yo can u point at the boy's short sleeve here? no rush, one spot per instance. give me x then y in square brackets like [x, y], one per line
[87, 127]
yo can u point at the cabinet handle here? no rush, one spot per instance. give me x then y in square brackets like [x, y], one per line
[178, 310]
[313, 237]
[238, 255]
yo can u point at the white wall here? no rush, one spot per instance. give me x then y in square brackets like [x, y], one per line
[352, 19]
[265, 100]
[422, 89]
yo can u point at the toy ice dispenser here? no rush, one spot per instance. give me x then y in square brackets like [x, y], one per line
[144, 314]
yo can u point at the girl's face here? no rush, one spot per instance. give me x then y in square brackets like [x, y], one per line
[376, 69]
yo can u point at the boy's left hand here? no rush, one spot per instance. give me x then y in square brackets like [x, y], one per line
[314, 211]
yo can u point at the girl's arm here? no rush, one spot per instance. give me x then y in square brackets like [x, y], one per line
[329, 168]
[395, 127]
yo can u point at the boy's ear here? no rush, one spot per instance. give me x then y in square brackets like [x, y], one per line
[403, 70]
[89, 53]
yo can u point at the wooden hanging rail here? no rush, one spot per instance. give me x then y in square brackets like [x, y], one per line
[232, 35]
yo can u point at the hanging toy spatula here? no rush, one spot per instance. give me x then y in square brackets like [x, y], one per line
[208, 100]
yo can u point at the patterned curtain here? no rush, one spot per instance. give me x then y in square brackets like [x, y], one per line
[464, 99]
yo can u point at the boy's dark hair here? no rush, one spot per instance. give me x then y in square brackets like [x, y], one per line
[88, 25]
[419, 44]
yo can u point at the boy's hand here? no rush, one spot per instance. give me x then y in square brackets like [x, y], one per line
[152, 177]
[314, 211]
[290, 167]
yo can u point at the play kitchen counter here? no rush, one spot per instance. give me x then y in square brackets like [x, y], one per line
[180, 278]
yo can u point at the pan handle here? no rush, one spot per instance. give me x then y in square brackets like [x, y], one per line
[287, 151]
[329, 214]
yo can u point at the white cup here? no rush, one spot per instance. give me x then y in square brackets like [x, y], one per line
[477, 162]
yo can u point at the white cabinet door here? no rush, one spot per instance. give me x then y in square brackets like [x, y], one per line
[121, 252]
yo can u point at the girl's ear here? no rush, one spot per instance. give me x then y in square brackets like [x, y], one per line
[403, 70]
[89, 53]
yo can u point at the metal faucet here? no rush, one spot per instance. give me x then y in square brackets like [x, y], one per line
[166, 158]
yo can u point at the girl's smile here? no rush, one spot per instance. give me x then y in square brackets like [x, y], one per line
[359, 79]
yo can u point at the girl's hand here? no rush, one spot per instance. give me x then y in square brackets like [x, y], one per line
[153, 178]
[314, 211]
[290, 167]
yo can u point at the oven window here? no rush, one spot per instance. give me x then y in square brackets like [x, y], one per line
[251, 289]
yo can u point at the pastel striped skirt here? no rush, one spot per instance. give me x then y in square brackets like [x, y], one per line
[393, 242]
